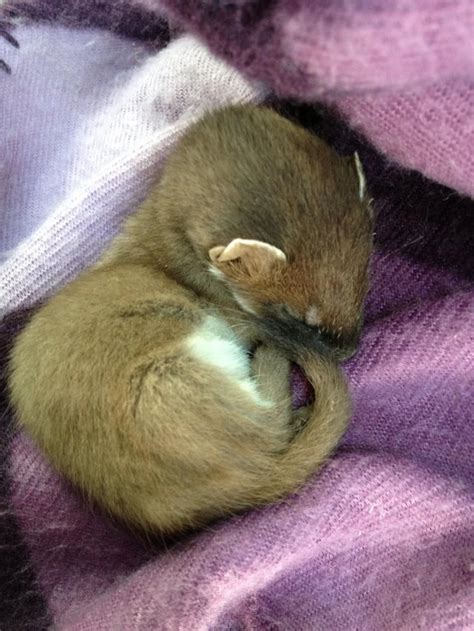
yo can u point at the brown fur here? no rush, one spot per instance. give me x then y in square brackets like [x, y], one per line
[107, 378]
[246, 172]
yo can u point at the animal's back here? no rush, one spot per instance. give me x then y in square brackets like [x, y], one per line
[133, 391]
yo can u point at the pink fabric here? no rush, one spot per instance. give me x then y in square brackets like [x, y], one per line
[402, 72]
[430, 130]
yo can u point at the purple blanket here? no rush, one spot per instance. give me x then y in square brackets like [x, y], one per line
[383, 539]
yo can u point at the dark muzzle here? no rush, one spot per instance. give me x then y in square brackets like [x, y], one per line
[295, 337]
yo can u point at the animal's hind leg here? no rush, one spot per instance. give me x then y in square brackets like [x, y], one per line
[271, 371]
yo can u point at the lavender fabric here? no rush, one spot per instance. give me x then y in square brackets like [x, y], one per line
[383, 538]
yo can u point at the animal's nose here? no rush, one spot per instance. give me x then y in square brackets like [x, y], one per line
[346, 349]
[346, 352]
[341, 347]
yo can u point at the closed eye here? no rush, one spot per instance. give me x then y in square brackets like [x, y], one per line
[287, 313]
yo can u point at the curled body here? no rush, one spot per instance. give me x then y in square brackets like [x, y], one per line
[150, 403]
[137, 379]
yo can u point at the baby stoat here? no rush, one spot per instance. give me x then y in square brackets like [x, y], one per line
[136, 379]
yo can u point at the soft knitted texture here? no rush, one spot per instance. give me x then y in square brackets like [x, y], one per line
[383, 538]
[400, 71]
[86, 125]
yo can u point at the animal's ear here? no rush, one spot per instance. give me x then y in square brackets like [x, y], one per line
[253, 255]
[361, 176]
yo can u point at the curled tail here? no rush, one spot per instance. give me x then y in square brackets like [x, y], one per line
[323, 426]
